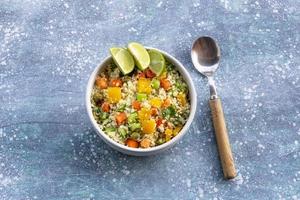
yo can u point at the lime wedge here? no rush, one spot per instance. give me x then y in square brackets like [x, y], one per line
[157, 62]
[123, 59]
[140, 55]
[114, 50]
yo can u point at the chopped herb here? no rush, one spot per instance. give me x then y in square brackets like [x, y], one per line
[169, 112]
[121, 108]
[97, 97]
[97, 111]
[169, 66]
[181, 86]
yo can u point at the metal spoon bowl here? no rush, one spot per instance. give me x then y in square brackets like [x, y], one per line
[206, 55]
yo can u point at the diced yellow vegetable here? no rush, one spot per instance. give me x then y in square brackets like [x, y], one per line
[176, 130]
[144, 85]
[168, 133]
[163, 75]
[181, 99]
[144, 114]
[114, 94]
[156, 102]
[148, 126]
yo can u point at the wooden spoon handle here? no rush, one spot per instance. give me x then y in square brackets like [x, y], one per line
[222, 138]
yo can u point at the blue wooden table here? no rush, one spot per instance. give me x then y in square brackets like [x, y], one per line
[48, 150]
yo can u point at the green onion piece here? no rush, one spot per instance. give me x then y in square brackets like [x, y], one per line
[121, 108]
[110, 129]
[132, 118]
[104, 115]
[122, 132]
[134, 126]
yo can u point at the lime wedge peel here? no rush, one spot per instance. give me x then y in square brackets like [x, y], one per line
[123, 59]
[140, 54]
[157, 62]
[114, 50]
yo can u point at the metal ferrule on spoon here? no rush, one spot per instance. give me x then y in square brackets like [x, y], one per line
[205, 56]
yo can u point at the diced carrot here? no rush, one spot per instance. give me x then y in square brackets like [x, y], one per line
[141, 75]
[132, 143]
[159, 121]
[166, 103]
[116, 83]
[105, 107]
[101, 82]
[165, 83]
[136, 105]
[145, 143]
[154, 111]
[149, 73]
[120, 118]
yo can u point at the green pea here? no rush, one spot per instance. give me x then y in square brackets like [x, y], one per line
[135, 135]
[161, 141]
[141, 96]
[155, 84]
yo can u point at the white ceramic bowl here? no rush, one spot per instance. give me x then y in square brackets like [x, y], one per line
[138, 151]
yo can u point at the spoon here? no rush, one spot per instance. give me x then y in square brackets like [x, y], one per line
[206, 55]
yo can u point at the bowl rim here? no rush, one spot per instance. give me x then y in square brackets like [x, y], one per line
[183, 131]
